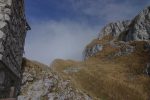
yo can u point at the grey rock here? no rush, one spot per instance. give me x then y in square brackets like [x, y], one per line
[72, 70]
[140, 26]
[92, 51]
[147, 69]
[52, 87]
[27, 78]
[114, 29]
[1, 16]
[138, 29]
[2, 24]
[12, 37]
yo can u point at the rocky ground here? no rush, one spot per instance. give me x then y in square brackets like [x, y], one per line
[41, 83]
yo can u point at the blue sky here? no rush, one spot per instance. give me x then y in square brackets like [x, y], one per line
[62, 28]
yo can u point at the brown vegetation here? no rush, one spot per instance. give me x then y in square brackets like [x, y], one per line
[115, 78]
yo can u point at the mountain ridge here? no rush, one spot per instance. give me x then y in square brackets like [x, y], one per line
[138, 29]
[116, 66]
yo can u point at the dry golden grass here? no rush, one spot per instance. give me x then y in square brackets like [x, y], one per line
[119, 78]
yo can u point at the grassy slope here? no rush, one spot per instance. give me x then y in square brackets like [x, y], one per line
[117, 78]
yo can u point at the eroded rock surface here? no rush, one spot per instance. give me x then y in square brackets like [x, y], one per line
[92, 51]
[140, 26]
[114, 29]
[138, 29]
[13, 28]
[41, 83]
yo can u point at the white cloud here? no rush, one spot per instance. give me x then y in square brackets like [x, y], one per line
[49, 40]
[66, 39]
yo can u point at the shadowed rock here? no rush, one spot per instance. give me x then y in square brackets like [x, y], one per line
[13, 28]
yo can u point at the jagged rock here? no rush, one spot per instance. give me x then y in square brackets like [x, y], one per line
[13, 28]
[114, 29]
[47, 86]
[92, 51]
[136, 29]
[139, 28]
[27, 78]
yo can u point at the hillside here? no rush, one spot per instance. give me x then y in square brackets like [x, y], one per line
[109, 78]
[116, 66]
[40, 83]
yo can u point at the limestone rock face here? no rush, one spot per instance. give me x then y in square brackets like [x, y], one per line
[114, 29]
[41, 83]
[139, 28]
[13, 28]
[92, 51]
[136, 29]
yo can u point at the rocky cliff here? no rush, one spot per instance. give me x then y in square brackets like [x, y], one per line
[114, 29]
[138, 29]
[13, 28]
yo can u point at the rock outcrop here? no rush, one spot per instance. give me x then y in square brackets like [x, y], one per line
[114, 29]
[92, 51]
[138, 29]
[13, 28]
[41, 83]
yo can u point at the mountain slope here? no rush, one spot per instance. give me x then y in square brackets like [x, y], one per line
[116, 64]
[109, 78]
[41, 83]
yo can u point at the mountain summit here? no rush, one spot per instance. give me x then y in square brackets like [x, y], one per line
[136, 29]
